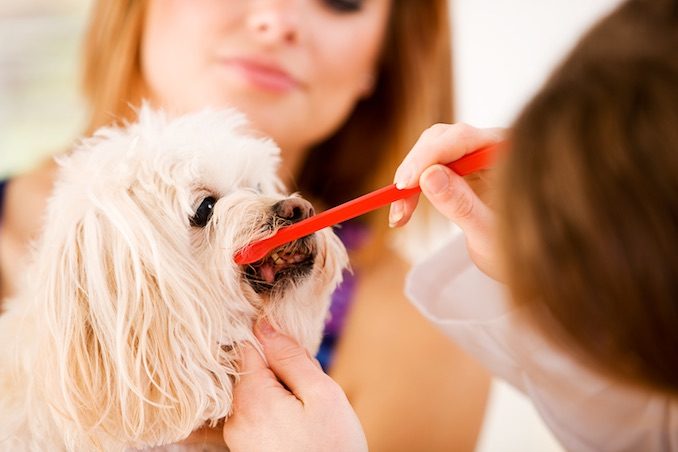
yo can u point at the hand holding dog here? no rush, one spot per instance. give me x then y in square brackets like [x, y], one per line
[450, 193]
[312, 415]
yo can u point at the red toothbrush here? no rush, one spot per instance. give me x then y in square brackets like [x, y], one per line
[478, 160]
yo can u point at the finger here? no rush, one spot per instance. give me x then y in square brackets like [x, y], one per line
[251, 360]
[290, 361]
[254, 376]
[443, 143]
[402, 210]
[453, 197]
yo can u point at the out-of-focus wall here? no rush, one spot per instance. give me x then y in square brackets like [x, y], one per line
[40, 109]
[505, 49]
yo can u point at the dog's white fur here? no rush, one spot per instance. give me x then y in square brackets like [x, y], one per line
[128, 330]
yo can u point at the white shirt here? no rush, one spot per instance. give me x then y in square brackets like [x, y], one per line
[584, 410]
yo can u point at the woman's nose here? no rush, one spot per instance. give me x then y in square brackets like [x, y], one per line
[275, 21]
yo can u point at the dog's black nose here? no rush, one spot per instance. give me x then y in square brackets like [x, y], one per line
[293, 209]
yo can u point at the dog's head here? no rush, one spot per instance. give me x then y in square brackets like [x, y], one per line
[145, 305]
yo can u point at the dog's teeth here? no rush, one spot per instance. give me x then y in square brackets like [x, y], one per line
[275, 256]
[278, 261]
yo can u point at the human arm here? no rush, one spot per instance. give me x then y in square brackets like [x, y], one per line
[411, 387]
[25, 203]
[289, 404]
[585, 410]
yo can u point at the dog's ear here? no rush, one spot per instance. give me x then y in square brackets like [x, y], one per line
[134, 330]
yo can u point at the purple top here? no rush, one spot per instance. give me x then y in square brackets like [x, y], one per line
[353, 235]
[3, 184]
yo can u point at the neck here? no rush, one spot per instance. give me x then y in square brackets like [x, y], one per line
[292, 161]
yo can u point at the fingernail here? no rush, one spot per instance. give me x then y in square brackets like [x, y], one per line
[436, 181]
[403, 177]
[396, 213]
[265, 328]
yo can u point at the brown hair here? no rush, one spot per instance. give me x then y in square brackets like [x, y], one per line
[412, 91]
[589, 215]
[112, 78]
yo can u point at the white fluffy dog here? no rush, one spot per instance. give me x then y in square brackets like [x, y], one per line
[127, 332]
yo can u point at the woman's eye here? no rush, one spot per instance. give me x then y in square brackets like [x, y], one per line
[204, 212]
[345, 6]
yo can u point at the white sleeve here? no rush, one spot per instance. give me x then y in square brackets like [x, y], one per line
[585, 411]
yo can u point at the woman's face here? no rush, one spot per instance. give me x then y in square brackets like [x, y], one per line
[295, 67]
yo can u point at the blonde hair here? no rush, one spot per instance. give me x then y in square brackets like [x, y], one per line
[412, 91]
[112, 79]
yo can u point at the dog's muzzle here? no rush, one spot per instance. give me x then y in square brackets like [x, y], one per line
[291, 262]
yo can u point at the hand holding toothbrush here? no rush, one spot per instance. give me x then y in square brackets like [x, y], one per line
[449, 193]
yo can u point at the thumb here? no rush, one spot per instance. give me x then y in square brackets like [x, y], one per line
[291, 362]
[453, 197]
[257, 385]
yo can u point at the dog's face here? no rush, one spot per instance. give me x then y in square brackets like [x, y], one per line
[146, 299]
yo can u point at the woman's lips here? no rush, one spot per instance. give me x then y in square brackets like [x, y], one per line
[262, 75]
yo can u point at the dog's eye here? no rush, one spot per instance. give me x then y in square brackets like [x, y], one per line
[204, 212]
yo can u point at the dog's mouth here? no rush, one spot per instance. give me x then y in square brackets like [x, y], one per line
[287, 264]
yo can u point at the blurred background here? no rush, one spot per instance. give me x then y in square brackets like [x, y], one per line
[503, 51]
[40, 108]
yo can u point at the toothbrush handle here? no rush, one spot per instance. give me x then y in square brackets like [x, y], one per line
[478, 160]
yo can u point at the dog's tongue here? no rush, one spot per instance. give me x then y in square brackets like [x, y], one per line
[268, 273]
